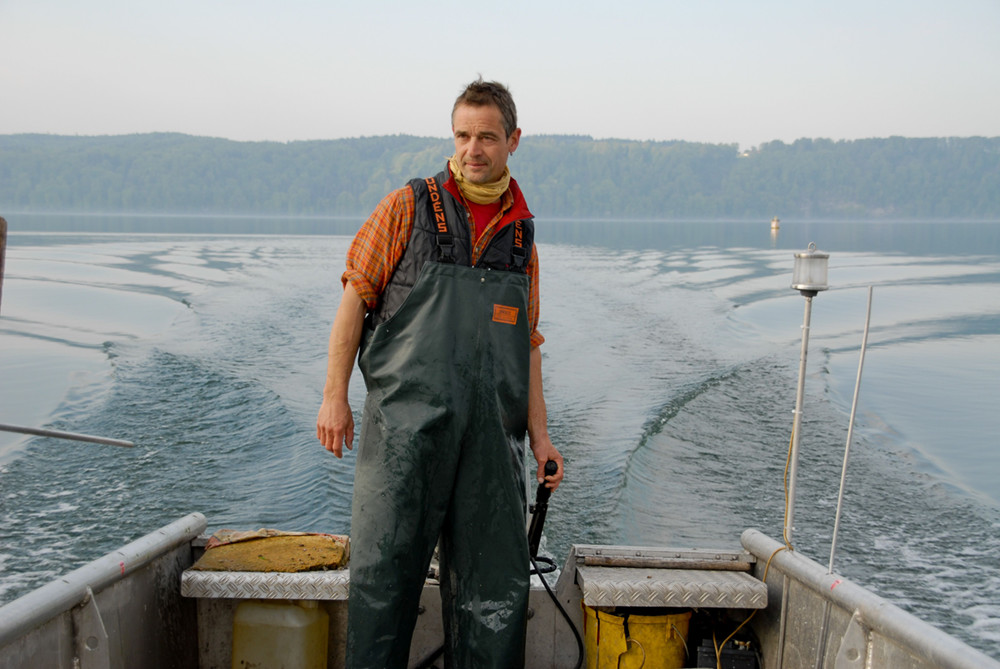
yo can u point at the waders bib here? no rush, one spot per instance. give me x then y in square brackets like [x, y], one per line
[442, 455]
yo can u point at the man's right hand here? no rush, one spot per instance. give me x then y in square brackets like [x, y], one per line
[335, 426]
[335, 422]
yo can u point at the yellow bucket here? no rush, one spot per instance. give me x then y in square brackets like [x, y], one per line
[652, 642]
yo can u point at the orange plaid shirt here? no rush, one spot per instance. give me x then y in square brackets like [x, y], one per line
[382, 239]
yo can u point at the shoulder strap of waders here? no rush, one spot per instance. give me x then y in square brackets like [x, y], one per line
[444, 240]
[518, 254]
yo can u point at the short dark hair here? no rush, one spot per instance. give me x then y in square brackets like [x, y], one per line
[490, 93]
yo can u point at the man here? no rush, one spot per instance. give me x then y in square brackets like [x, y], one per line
[441, 297]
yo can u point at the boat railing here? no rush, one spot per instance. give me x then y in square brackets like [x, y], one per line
[118, 610]
[865, 629]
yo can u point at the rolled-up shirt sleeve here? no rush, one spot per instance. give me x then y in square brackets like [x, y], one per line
[533, 299]
[378, 246]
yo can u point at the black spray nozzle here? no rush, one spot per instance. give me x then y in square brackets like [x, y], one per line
[538, 510]
[542, 494]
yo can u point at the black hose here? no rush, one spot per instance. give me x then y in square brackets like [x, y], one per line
[549, 562]
[569, 621]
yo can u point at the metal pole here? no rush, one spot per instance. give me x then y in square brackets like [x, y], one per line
[797, 422]
[793, 467]
[850, 429]
[65, 435]
[3, 251]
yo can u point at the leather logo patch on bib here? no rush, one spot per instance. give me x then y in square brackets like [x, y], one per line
[505, 315]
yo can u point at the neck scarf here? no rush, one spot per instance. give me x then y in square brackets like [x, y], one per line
[479, 193]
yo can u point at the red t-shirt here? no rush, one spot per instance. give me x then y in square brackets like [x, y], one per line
[482, 214]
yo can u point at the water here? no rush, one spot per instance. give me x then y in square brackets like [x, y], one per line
[670, 370]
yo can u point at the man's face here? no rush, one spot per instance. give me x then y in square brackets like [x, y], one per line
[481, 144]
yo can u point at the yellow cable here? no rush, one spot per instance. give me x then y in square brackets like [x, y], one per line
[719, 647]
[788, 462]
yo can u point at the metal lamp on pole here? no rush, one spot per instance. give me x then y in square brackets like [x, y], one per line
[809, 277]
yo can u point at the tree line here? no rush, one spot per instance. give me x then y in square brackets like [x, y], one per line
[562, 176]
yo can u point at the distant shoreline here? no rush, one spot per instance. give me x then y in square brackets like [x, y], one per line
[894, 178]
[960, 237]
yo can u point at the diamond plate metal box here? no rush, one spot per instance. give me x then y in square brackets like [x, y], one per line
[626, 586]
[319, 585]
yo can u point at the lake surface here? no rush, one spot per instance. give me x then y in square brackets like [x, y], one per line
[670, 369]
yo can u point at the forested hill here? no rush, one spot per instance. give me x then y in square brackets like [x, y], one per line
[563, 176]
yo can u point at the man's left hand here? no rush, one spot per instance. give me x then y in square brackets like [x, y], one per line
[545, 451]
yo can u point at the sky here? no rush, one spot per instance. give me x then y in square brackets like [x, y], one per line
[723, 72]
